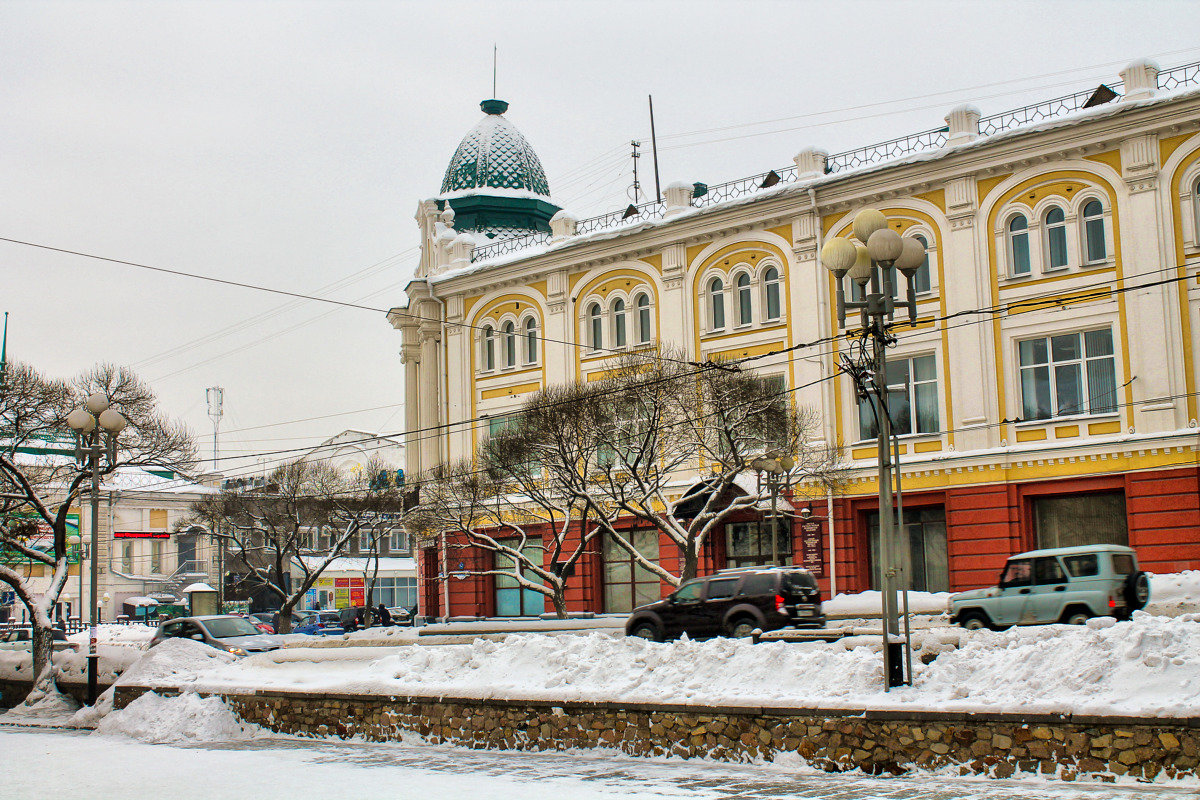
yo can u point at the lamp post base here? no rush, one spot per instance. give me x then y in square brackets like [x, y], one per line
[895, 664]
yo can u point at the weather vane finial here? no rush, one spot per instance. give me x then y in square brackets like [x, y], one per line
[494, 48]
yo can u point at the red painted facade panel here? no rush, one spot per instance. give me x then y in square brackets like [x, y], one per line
[984, 525]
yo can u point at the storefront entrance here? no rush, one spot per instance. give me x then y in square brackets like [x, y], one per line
[926, 534]
[511, 599]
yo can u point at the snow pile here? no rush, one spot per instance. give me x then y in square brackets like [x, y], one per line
[46, 709]
[1150, 666]
[186, 719]
[1175, 592]
[135, 636]
[867, 604]
[174, 662]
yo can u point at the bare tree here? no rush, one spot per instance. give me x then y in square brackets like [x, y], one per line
[270, 530]
[517, 501]
[656, 423]
[38, 492]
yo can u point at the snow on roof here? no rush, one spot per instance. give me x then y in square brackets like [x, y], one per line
[803, 185]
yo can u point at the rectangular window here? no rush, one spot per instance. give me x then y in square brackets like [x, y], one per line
[397, 542]
[1072, 373]
[127, 558]
[773, 420]
[627, 584]
[912, 399]
[926, 558]
[158, 519]
[748, 544]
[1080, 519]
[156, 558]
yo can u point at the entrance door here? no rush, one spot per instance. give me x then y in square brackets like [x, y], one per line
[627, 584]
[928, 564]
[187, 553]
[511, 599]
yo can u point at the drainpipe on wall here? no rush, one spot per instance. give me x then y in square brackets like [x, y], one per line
[812, 200]
[445, 445]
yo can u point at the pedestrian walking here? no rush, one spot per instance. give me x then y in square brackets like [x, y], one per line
[385, 617]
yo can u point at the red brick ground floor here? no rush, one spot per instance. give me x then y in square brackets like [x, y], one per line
[958, 538]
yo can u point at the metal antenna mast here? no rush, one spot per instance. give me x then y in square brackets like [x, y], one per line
[494, 48]
[635, 192]
[216, 409]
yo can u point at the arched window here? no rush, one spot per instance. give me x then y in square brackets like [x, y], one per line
[510, 345]
[1018, 245]
[1093, 231]
[921, 281]
[1055, 223]
[488, 342]
[1196, 211]
[643, 318]
[619, 323]
[745, 304]
[716, 304]
[596, 323]
[531, 340]
[771, 280]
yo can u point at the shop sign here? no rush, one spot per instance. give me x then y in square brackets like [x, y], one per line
[141, 535]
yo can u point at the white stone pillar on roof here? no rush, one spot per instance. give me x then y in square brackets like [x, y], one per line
[963, 122]
[1141, 79]
[810, 163]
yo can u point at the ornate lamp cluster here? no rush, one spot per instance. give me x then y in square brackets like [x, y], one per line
[94, 416]
[872, 266]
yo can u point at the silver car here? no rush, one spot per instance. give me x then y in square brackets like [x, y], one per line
[236, 635]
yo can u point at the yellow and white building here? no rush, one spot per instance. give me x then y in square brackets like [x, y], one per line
[1051, 379]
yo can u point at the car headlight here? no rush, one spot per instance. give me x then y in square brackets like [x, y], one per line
[237, 651]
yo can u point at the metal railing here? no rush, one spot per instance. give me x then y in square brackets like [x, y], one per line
[900, 147]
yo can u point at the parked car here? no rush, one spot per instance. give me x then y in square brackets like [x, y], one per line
[21, 638]
[225, 632]
[1067, 584]
[321, 623]
[401, 616]
[732, 602]
[357, 617]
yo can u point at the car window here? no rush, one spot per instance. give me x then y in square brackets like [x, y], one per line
[689, 591]
[230, 627]
[1122, 563]
[721, 589]
[1083, 565]
[172, 629]
[1047, 570]
[799, 580]
[758, 583]
[1017, 572]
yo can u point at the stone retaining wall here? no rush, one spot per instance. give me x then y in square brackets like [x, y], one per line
[14, 692]
[998, 745]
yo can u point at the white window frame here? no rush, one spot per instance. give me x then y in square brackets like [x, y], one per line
[1047, 227]
[1082, 361]
[711, 297]
[619, 322]
[594, 324]
[530, 325]
[646, 335]
[767, 284]
[508, 333]
[1105, 218]
[740, 291]
[911, 396]
[1010, 245]
[487, 349]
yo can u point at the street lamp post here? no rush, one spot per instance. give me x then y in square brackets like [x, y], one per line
[872, 260]
[776, 468]
[88, 421]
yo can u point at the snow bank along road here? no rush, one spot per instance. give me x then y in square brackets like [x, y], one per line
[41, 764]
[1148, 666]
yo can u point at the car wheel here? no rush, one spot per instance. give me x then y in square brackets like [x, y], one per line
[973, 621]
[1077, 618]
[742, 627]
[645, 631]
[1137, 591]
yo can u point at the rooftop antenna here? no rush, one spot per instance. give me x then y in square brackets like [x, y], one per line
[216, 409]
[4, 351]
[635, 192]
[654, 145]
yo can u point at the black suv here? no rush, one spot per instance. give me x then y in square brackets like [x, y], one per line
[733, 602]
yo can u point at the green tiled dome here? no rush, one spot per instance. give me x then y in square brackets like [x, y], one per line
[494, 155]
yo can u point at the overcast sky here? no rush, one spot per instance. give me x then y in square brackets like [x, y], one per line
[287, 144]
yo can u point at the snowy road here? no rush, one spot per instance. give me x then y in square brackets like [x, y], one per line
[49, 763]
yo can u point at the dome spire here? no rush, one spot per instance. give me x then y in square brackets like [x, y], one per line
[494, 106]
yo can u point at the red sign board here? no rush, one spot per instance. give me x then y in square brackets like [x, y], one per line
[812, 546]
[141, 535]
